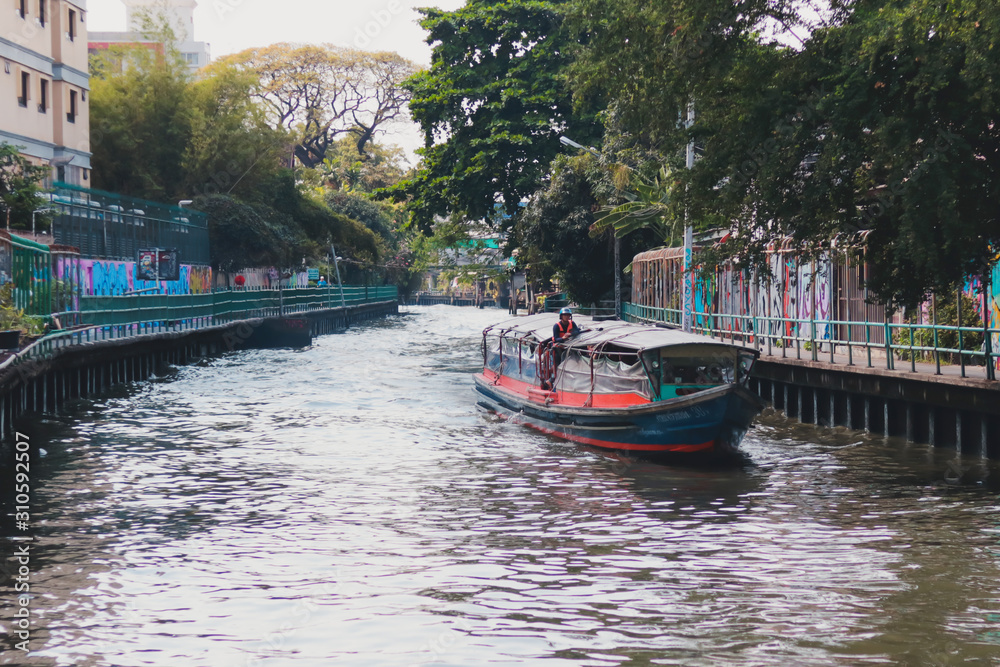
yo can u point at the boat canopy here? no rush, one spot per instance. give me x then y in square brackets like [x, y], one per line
[622, 335]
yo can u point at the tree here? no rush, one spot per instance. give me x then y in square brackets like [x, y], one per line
[230, 146]
[246, 234]
[140, 122]
[345, 169]
[647, 206]
[319, 93]
[555, 233]
[19, 180]
[156, 134]
[880, 118]
[376, 216]
[241, 235]
[491, 107]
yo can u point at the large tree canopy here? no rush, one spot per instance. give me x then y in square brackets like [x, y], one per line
[491, 107]
[880, 119]
[319, 93]
[156, 134]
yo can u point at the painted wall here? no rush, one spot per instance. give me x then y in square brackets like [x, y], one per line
[109, 278]
[797, 292]
[973, 289]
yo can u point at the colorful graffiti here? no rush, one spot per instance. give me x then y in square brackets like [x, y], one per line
[974, 290]
[109, 278]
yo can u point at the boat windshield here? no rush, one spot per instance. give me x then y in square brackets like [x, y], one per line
[687, 369]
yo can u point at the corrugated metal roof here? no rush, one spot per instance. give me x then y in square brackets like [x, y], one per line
[622, 334]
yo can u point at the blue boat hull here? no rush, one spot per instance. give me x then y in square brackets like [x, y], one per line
[709, 424]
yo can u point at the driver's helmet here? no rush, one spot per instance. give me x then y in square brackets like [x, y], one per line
[565, 311]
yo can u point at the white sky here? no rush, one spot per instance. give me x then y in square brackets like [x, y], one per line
[230, 26]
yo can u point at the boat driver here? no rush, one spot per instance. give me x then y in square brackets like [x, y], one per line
[562, 331]
[565, 328]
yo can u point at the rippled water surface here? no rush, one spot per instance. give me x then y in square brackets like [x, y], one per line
[349, 504]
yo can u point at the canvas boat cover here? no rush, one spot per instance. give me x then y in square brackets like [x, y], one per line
[638, 337]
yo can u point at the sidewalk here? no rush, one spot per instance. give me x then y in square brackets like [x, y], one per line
[858, 361]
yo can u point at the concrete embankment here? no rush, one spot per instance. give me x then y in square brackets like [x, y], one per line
[44, 377]
[941, 410]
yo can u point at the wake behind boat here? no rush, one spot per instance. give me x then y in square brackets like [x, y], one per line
[639, 389]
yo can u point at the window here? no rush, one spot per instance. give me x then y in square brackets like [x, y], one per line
[25, 87]
[72, 25]
[71, 114]
[22, 7]
[43, 97]
[41, 12]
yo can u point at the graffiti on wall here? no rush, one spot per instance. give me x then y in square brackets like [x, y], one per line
[110, 278]
[974, 290]
[800, 294]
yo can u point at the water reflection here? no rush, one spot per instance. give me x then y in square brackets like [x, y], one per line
[349, 504]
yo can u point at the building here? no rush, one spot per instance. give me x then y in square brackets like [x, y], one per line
[143, 14]
[44, 85]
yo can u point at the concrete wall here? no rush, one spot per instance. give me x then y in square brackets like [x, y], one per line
[942, 411]
[111, 278]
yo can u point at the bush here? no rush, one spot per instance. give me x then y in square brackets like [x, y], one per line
[947, 315]
[14, 318]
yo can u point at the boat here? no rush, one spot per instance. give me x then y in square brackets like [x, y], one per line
[643, 390]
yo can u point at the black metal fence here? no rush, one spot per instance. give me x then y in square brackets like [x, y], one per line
[109, 226]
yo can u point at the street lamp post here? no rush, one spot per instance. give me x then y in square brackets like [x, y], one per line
[33, 214]
[566, 141]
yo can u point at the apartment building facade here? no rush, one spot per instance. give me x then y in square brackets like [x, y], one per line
[44, 84]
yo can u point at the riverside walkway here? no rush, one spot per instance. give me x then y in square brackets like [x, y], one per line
[128, 337]
[884, 380]
[105, 318]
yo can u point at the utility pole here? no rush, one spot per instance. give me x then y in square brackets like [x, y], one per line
[336, 268]
[687, 311]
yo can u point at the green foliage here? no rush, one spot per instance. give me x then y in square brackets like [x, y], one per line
[158, 135]
[344, 169]
[491, 107]
[242, 234]
[881, 119]
[647, 207]
[19, 180]
[256, 234]
[555, 233]
[379, 217]
[230, 147]
[947, 315]
[140, 123]
[12, 317]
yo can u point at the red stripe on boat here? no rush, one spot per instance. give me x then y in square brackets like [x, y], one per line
[571, 399]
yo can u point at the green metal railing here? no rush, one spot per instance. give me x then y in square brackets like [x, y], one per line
[31, 273]
[791, 337]
[110, 226]
[142, 312]
[555, 304]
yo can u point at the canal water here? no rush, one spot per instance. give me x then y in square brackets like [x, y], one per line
[348, 504]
